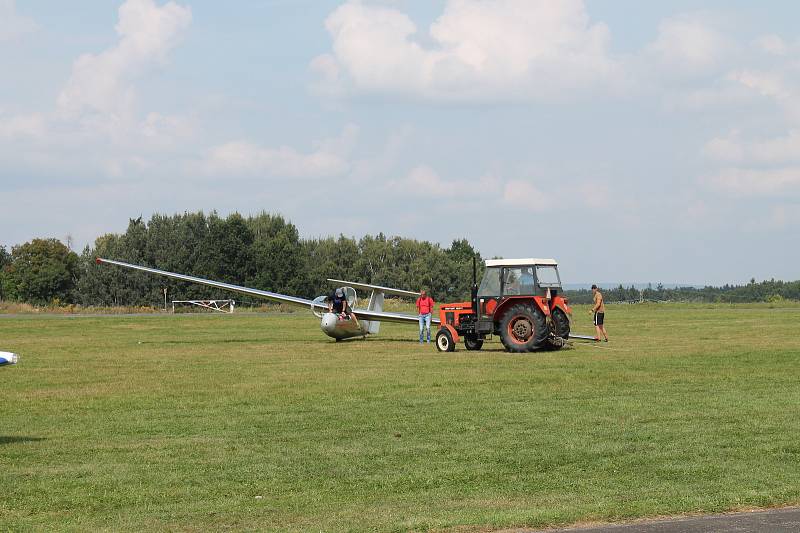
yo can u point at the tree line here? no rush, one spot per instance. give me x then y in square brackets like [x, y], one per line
[765, 291]
[265, 251]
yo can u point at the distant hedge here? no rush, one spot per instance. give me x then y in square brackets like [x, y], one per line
[765, 291]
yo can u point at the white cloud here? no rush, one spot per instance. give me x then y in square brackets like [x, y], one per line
[327, 69]
[104, 82]
[772, 44]
[757, 165]
[493, 190]
[17, 127]
[780, 85]
[478, 50]
[688, 44]
[381, 162]
[778, 150]
[717, 96]
[424, 182]
[782, 216]
[698, 63]
[13, 25]
[245, 158]
[97, 126]
[748, 182]
[760, 167]
[591, 194]
[767, 84]
[695, 211]
[524, 194]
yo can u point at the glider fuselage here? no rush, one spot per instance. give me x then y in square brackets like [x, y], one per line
[342, 328]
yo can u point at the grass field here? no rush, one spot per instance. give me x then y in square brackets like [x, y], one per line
[253, 421]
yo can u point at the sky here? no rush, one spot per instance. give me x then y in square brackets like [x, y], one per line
[632, 141]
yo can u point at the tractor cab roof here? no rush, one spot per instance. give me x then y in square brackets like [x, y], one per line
[520, 262]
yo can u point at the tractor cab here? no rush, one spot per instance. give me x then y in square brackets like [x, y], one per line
[517, 299]
[519, 277]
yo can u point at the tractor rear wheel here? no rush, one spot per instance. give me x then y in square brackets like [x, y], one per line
[444, 341]
[473, 342]
[560, 327]
[523, 329]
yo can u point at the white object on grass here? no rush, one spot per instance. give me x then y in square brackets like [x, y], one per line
[8, 358]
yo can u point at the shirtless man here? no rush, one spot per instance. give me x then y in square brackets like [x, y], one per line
[599, 311]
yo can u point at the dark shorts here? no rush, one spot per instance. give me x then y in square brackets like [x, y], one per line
[598, 319]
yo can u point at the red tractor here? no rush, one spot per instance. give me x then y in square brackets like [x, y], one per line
[518, 299]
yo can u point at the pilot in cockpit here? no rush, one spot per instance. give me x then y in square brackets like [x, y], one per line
[337, 303]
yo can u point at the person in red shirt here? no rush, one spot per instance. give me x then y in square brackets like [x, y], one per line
[425, 307]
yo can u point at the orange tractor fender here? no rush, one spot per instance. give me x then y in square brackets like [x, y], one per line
[561, 303]
[452, 331]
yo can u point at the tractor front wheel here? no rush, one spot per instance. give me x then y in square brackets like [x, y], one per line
[560, 329]
[473, 342]
[523, 329]
[444, 341]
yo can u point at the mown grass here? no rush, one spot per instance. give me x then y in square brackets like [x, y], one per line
[198, 422]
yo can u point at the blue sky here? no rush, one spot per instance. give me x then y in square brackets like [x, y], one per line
[633, 141]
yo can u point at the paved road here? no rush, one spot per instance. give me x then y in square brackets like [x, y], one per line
[775, 520]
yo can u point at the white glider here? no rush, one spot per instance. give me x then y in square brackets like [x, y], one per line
[364, 321]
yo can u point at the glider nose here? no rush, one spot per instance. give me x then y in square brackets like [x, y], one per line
[328, 324]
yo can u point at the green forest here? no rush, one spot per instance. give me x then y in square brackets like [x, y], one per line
[263, 251]
[266, 251]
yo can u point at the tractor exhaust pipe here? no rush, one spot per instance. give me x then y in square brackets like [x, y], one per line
[474, 272]
[475, 286]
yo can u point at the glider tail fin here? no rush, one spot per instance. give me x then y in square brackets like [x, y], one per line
[375, 304]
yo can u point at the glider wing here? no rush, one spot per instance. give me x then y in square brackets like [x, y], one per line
[274, 296]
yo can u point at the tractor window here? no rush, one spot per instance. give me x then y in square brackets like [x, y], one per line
[490, 286]
[518, 281]
[511, 281]
[548, 276]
